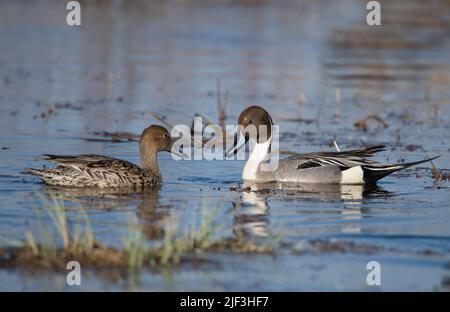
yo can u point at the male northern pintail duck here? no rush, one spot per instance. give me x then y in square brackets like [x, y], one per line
[102, 171]
[347, 167]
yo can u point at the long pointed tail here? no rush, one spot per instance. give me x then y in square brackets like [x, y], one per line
[375, 173]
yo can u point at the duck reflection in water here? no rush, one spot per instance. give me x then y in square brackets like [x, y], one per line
[143, 201]
[251, 212]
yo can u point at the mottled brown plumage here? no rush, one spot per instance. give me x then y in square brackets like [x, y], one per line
[102, 171]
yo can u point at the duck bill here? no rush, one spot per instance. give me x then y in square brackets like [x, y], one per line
[239, 142]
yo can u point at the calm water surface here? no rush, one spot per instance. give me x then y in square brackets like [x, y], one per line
[300, 60]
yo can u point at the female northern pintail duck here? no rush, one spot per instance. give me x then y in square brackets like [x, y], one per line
[347, 167]
[102, 171]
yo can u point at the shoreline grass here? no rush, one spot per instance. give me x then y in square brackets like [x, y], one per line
[62, 240]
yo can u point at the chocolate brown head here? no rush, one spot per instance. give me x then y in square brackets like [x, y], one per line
[256, 116]
[253, 120]
[156, 139]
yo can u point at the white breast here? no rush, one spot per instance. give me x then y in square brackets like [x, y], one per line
[256, 157]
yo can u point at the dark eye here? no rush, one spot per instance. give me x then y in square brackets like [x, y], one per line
[166, 135]
[250, 122]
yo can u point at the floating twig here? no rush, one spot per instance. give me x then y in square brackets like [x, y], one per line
[336, 146]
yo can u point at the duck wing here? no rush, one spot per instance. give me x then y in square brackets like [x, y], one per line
[350, 163]
[76, 162]
[113, 171]
[342, 160]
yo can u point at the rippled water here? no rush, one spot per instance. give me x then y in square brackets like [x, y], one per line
[60, 85]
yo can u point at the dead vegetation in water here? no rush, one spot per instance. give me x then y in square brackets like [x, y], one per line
[222, 101]
[48, 110]
[365, 123]
[326, 246]
[439, 175]
[49, 251]
[222, 105]
[114, 137]
[323, 246]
